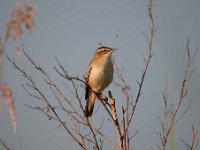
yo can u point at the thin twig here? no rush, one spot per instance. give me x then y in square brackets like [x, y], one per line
[4, 145]
[165, 124]
[191, 146]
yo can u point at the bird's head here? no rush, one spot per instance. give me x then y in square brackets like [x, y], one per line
[105, 51]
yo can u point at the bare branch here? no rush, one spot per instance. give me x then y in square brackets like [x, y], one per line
[166, 125]
[149, 55]
[192, 146]
[4, 145]
[34, 86]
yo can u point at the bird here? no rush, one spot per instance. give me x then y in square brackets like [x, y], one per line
[98, 77]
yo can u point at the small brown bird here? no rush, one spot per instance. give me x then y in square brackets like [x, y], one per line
[99, 76]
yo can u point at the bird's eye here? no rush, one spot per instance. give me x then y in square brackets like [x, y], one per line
[104, 51]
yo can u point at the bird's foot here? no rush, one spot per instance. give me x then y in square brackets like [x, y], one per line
[103, 98]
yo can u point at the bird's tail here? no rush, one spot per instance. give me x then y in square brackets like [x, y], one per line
[90, 101]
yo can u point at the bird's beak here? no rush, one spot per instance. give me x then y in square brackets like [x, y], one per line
[114, 49]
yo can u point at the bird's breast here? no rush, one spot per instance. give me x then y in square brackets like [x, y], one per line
[101, 76]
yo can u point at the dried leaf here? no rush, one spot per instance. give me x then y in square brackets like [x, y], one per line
[22, 16]
[6, 93]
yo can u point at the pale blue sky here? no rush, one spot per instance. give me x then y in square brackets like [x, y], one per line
[73, 29]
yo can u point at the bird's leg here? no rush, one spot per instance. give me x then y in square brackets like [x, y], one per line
[101, 96]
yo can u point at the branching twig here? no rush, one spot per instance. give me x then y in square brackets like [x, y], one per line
[194, 142]
[150, 53]
[4, 145]
[129, 109]
[34, 86]
[165, 124]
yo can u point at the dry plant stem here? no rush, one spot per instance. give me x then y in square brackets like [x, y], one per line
[34, 86]
[125, 111]
[194, 135]
[116, 122]
[93, 134]
[4, 145]
[165, 112]
[193, 138]
[166, 128]
[88, 122]
[128, 113]
[150, 53]
[182, 91]
[50, 82]
[147, 60]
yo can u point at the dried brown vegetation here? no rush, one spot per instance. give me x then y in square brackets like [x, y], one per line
[67, 108]
[22, 16]
[170, 117]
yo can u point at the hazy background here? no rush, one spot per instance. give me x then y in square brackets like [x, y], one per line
[72, 30]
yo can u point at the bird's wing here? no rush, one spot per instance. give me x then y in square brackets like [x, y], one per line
[88, 73]
[89, 69]
[87, 88]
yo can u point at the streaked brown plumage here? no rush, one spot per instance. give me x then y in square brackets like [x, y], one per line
[98, 77]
